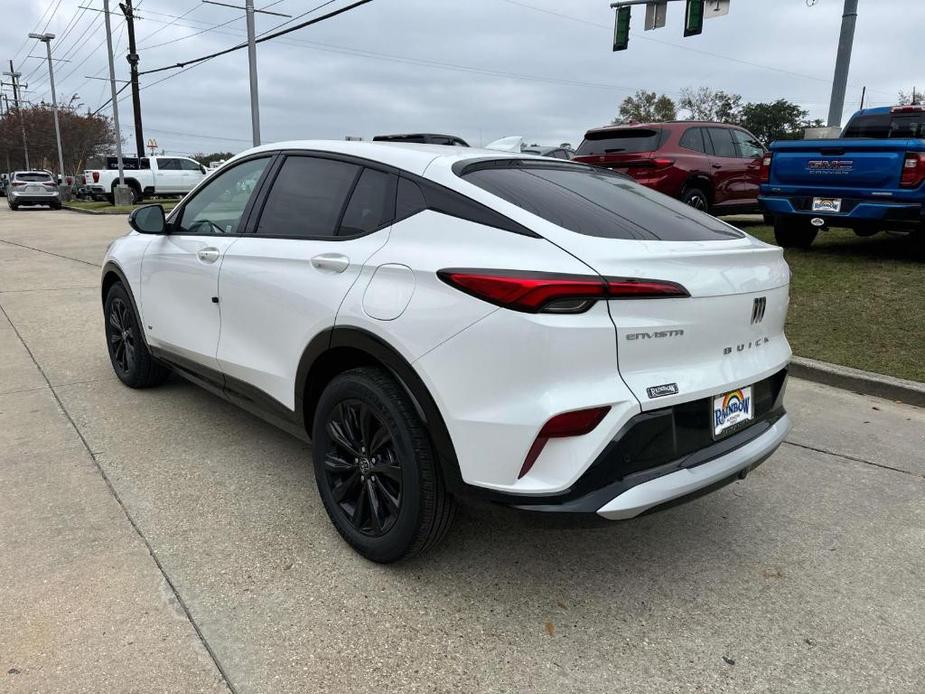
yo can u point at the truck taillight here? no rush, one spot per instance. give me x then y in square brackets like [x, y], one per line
[765, 175]
[96, 176]
[913, 170]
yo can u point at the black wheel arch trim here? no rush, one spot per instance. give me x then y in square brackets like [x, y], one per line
[111, 268]
[379, 350]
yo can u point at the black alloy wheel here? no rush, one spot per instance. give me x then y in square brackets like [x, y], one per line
[376, 469]
[121, 333]
[362, 468]
[128, 352]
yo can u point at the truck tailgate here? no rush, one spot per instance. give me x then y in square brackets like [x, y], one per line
[842, 164]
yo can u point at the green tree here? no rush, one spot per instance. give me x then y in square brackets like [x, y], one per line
[778, 120]
[647, 107]
[707, 104]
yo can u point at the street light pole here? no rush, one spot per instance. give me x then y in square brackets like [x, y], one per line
[252, 64]
[46, 39]
[115, 97]
[843, 63]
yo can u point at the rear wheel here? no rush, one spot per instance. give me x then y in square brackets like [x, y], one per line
[794, 233]
[696, 198]
[14, 206]
[128, 352]
[375, 468]
[866, 233]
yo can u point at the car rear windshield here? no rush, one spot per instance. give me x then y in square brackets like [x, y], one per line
[629, 140]
[33, 177]
[883, 126]
[592, 201]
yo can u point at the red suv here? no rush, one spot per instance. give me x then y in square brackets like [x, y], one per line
[711, 166]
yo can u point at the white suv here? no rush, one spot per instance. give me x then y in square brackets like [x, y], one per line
[444, 324]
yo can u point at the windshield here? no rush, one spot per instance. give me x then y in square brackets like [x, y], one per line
[594, 202]
[33, 177]
[630, 140]
[883, 126]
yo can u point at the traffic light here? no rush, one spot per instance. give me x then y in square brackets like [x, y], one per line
[693, 18]
[621, 30]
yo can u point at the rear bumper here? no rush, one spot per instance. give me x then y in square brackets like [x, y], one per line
[35, 198]
[663, 456]
[690, 481]
[854, 210]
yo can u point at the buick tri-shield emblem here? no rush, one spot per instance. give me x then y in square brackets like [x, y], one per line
[758, 309]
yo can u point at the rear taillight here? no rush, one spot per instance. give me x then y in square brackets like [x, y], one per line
[562, 426]
[49, 184]
[908, 108]
[536, 292]
[96, 176]
[764, 175]
[913, 170]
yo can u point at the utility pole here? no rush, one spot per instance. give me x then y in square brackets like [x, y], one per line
[14, 79]
[121, 191]
[252, 64]
[46, 39]
[251, 58]
[843, 63]
[132, 58]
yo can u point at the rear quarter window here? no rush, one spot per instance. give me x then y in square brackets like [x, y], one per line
[628, 140]
[594, 202]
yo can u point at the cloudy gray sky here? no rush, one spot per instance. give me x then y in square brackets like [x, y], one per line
[481, 69]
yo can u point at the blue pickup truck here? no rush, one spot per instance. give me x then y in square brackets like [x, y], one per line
[870, 179]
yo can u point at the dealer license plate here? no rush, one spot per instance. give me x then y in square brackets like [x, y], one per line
[827, 205]
[732, 411]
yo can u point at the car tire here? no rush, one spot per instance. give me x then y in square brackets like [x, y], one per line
[794, 233]
[388, 501]
[128, 351]
[768, 219]
[56, 205]
[14, 206]
[137, 196]
[866, 233]
[697, 198]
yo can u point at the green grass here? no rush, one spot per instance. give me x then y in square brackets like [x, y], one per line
[858, 302]
[103, 207]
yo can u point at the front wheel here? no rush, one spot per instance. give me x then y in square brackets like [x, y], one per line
[128, 352]
[794, 233]
[375, 468]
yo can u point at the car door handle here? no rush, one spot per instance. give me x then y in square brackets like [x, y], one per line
[208, 255]
[331, 262]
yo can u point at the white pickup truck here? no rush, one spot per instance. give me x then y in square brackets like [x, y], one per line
[146, 176]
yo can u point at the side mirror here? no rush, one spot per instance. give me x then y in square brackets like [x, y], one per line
[149, 219]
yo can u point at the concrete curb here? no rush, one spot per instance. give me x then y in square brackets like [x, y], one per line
[94, 212]
[865, 382]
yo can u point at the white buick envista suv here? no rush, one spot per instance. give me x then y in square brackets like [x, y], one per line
[444, 324]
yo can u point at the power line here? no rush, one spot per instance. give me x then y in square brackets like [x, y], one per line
[263, 37]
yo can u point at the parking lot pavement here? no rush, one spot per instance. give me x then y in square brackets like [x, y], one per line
[163, 540]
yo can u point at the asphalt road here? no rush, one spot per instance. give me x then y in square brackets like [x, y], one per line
[165, 541]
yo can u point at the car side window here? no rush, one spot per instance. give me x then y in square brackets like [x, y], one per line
[372, 204]
[749, 147]
[692, 139]
[217, 207]
[189, 165]
[166, 164]
[723, 144]
[307, 198]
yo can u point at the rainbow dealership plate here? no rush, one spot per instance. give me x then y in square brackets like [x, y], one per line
[732, 411]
